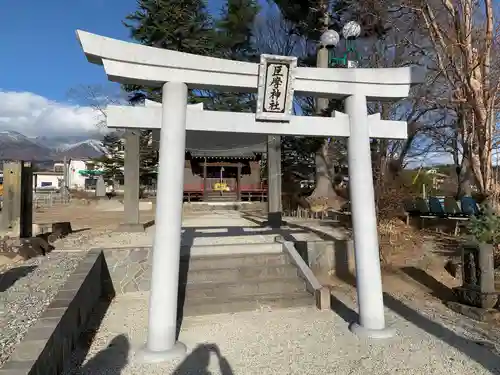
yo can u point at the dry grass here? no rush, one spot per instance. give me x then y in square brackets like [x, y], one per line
[398, 240]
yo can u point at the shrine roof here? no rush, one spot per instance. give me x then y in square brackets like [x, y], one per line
[228, 145]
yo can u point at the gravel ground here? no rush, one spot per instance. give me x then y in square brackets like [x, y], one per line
[294, 341]
[86, 240]
[26, 289]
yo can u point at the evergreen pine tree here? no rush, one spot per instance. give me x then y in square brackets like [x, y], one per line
[234, 41]
[179, 25]
[112, 162]
[186, 26]
[234, 30]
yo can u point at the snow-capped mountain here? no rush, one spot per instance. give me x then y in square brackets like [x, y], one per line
[59, 142]
[16, 146]
[89, 148]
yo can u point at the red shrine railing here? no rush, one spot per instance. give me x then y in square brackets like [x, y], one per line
[249, 192]
[249, 187]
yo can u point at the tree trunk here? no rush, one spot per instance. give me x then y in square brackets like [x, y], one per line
[324, 190]
[463, 167]
[323, 195]
[464, 178]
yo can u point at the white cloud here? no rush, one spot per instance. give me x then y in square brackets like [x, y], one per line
[33, 115]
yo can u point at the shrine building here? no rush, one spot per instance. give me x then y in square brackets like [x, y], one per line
[224, 167]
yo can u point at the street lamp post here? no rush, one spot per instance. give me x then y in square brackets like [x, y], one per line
[330, 39]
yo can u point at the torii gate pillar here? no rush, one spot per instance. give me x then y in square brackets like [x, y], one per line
[274, 206]
[131, 171]
[364, 223]
[161, 343]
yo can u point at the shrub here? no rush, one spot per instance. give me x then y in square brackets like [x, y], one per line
[485, 228]
[390, 196]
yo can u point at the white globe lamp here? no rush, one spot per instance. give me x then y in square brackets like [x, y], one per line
[330, 38]
[351, 30]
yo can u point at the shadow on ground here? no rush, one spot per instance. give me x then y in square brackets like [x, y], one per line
[110, 360]
[437, 289]
[9, 277]
[481, 352]
[198, 361]
[114, 358]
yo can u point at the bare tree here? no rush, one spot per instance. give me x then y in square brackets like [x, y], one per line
[464, 39]
[98, 97]
[275, 35]
[301, 155]
[393, 48]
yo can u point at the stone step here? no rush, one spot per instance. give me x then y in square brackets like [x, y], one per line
[207, 306]
[220, 199]
[225, 197]
[249, 288]
[255, 239]
[204, 262]
[218, 194]
[216, 275]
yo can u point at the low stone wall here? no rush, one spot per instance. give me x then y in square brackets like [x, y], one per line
[327, 257]
[49, 343]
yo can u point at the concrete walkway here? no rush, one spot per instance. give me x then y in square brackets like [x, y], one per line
[294, 341]
[200, 229]
[216, 219]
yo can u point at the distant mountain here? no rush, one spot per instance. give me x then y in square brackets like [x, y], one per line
[89, 148]
[16, 146]
[58, 142]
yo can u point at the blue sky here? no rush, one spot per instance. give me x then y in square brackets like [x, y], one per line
[41, 61]
[39, 50]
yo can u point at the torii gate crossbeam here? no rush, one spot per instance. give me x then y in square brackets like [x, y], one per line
[233, 122]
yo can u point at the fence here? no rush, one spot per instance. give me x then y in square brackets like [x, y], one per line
[49, 199]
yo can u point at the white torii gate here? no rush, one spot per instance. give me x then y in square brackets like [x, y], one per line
[175, 71]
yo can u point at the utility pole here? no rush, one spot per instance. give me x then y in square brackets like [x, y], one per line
[65, 178]
[322, 52]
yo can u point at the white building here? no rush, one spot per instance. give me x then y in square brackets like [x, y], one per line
[81, 174]
[48, 180]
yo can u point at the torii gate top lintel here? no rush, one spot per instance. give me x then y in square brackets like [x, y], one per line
[126, 62]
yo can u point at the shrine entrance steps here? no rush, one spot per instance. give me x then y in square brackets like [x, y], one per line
[213, 284]
[226, 196]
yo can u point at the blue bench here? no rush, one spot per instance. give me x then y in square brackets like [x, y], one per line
[447, 209]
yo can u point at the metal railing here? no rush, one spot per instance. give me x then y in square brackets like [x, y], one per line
[50, 198]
